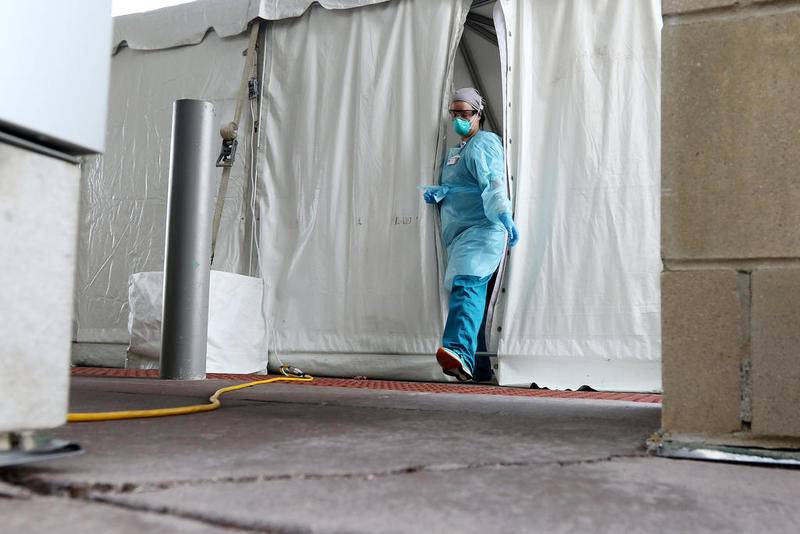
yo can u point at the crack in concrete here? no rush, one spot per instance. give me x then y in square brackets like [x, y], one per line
[602, 459]
[221, 522]
[12, 491]
[29, 488]
[109, 493]
[43, 486]
[48, 488]
[14, 497]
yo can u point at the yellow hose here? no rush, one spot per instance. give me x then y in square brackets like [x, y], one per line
[213, 404]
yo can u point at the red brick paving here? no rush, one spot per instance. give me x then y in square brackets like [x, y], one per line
[417, 387]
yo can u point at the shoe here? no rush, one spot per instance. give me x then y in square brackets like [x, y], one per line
[452, 364]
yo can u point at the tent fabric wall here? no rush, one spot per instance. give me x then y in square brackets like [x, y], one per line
[124, 192]
[188, 24]
[353, 121]
[582, 116]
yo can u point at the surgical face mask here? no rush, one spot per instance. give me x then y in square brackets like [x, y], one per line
[462, 126]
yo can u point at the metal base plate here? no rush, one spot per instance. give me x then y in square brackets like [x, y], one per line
[43, 449]
[720, 453]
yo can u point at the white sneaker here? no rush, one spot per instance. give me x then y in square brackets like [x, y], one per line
[452, 364]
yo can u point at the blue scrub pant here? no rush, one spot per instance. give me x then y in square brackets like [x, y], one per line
[464, 320]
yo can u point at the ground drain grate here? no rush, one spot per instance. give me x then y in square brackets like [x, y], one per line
[415, 387]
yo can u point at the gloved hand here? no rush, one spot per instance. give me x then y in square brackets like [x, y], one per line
[429, 197]
[511, 229]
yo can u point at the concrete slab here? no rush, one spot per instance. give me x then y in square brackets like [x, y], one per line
[50, 514]
[633, 495]
[282, 430]
[293, 458]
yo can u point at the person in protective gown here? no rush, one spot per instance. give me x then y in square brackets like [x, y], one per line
[476, 222]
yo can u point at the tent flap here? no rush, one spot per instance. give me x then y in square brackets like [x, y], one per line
[582, 115]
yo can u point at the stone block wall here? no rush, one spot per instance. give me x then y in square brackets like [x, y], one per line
[38, 240]
[731, 217]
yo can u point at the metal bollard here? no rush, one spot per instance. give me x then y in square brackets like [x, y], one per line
[184, 334]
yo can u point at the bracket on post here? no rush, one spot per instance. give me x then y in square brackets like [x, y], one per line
[227, 154]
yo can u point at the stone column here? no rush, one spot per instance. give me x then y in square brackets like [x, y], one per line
[731, 218]
[38, 242]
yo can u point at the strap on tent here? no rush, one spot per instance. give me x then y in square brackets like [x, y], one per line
[228, 133]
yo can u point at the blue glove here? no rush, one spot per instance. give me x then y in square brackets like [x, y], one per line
[508, 222]
[429, 197]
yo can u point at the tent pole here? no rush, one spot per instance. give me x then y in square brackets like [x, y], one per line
[188, 245]
[481, 30]
[481, 20]
[473, 73]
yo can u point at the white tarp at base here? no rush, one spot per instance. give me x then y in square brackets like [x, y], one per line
[348, 248]
[236, 332]
[582, 116]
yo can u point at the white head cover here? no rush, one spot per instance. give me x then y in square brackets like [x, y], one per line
[470, 96]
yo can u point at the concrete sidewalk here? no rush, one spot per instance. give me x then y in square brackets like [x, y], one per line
[294, 458]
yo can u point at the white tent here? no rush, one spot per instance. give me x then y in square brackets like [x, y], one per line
[351, 118]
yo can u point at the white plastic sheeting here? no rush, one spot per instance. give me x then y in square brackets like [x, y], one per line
[124, 192]
[236, 330]
[188, 23]
[355, 108]
[582, 115]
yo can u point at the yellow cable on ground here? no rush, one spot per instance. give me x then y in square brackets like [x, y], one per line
[213, 404]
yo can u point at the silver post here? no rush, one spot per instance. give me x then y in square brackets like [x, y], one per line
[188, 245]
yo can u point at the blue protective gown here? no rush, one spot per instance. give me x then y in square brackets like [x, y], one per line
[474, 194]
